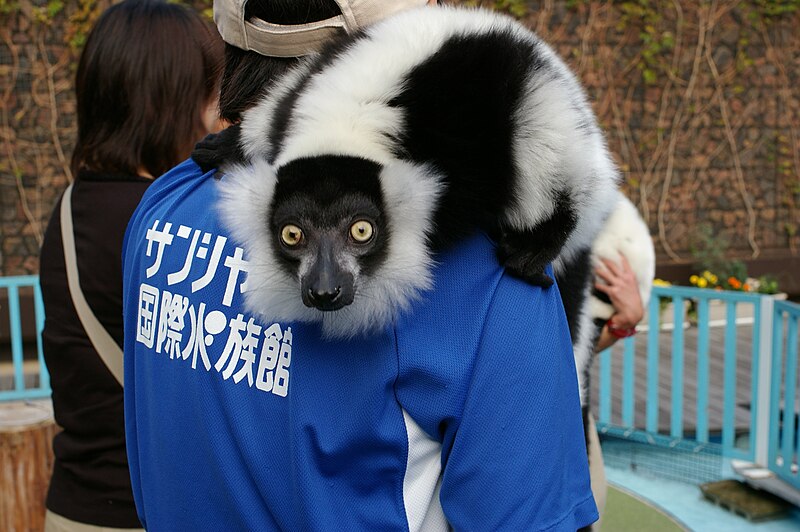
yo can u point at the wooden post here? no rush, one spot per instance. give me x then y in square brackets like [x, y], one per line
[26, 463]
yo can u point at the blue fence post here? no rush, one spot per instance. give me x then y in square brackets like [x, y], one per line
[755, 368]
[16, 337]
[764, 312]
[729, 378]
[775, 392]
[676, 418]
[702, 369]
[38, 304]
[654, 327]
[628, 382]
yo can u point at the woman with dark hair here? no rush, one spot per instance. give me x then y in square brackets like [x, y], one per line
[147, 89]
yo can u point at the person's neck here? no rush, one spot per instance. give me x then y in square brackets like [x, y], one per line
[142, 172]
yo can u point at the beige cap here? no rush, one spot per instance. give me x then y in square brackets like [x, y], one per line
[296, 40]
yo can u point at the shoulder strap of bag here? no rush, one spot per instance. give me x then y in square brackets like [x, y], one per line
[104, 344]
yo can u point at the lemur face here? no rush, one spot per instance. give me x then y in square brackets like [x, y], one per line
[328, 227]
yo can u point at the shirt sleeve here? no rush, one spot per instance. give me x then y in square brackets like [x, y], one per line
[517, 460]
[129, 291]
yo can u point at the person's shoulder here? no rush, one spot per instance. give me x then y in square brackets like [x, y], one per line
[471, 291]
[473, 267]
[465, 277]
[179, 176]
[184, 192]
[184, 184]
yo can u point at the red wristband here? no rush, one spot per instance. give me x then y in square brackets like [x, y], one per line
[620, 333]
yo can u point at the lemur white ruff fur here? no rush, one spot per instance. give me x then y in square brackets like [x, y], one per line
[467, 120]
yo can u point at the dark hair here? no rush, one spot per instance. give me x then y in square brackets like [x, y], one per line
[148, 70]
[247, 73]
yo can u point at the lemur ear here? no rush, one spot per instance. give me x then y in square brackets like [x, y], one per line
[220, 148]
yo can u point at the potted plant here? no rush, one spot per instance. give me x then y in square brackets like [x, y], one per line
[740, 282]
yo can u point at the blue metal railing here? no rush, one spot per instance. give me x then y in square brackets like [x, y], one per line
[784, 430]
[12, 285]
[678, 406]
[772, 430]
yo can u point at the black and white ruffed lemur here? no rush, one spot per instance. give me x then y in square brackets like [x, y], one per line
[356, 167]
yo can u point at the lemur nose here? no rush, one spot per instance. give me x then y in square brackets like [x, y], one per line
[323, 297]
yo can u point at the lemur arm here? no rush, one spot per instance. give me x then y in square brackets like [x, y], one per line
[219, 148]
[526, 253]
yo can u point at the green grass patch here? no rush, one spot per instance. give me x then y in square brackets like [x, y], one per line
[626, 513]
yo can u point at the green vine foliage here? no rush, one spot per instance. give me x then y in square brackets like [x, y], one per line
[46, 14]
[80, 15]
[8, 6]
[776, 8]
[657, 39]
[517, 8]
[656, 43]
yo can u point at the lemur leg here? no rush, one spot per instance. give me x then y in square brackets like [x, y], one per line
[219, 148]
[574, 279]
[526, 253]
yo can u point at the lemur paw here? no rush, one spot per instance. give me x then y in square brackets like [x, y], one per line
[535, 278]
[523, 261]
[218, 148]
[206, 153]
[524, 264]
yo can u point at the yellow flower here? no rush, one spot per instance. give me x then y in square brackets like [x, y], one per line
[702, 282]
[693, 279]
[661, 282]
[714, 279]
[707, 275]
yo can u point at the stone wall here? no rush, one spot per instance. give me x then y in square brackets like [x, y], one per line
[699, 101]
[39, 48]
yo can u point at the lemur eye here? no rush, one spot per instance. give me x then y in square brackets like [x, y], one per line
[291, 235]
[361, 231]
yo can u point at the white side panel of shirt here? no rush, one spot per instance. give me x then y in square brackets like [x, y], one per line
[422, 481]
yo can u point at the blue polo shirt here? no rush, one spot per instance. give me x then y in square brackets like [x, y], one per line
[463, 414]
